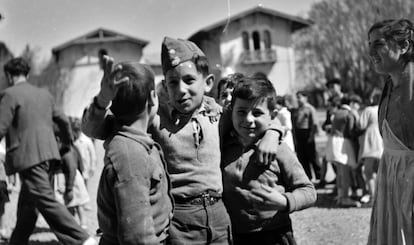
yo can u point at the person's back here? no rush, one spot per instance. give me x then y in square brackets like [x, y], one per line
[31, 129]
[370, 142]
[134, 201]
[26, 116]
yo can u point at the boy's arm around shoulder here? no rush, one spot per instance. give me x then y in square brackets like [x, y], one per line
[132, 195]
[300, 192]
[96, 121]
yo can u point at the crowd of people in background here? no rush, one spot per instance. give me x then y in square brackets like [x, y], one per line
[224, 170]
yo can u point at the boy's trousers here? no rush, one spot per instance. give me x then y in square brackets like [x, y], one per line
[36, 195]
[205, 223]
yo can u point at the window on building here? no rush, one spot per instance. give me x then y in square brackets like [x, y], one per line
[267, 39]
[246, 43]
[256, 40]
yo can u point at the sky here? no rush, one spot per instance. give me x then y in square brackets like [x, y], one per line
[44, 24]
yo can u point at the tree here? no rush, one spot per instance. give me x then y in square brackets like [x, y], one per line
[336, 45]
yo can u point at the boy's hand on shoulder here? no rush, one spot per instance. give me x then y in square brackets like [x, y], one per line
[267, 147]
[267, 198]
[110, 82]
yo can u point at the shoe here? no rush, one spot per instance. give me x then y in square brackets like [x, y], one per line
[365, 199]
[89, 241]
[320, 185]
[347, 202]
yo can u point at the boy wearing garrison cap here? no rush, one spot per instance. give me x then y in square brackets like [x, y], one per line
[188, 131]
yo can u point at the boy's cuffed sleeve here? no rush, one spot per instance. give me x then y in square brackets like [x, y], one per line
[96, 122]
[300, 192]
[277, 126]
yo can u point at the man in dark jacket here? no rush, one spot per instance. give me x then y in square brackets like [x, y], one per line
[26, 119]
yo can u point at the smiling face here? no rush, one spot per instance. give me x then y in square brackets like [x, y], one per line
[250, 119]
[185, 87]
[385, 54]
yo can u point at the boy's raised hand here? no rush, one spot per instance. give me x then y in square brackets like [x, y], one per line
[110, 81]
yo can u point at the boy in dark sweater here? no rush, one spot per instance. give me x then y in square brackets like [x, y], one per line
[259, 198]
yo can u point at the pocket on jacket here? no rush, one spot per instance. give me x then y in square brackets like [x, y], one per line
[156, 178]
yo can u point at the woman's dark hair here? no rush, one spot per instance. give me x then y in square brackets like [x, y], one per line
[133, 95]
[399, 31]
[16, 67]
[255, 89]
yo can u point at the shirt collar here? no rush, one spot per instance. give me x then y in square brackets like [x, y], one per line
[137, 135]
[176, 116]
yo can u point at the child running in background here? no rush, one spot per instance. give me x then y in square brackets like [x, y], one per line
[259, 198]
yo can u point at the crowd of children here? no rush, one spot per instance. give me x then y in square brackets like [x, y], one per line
[230, 179]
[185, 169]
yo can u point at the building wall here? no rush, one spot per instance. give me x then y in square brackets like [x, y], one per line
[230, 46]
[81, 74]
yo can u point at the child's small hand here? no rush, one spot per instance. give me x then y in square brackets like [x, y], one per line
[110, 81]
[267, 147]
[68, 196]
[267, 198]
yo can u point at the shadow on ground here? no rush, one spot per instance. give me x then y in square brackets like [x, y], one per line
[326, 199]
[37, 231]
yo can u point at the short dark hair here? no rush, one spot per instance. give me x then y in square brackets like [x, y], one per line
[229, 81]
[303, 93]
[16, 67]
[333, 81]
[255, 89]
[355, 98]
[201, 63]
[132, 96]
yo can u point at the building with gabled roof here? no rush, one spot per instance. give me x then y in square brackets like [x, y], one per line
[257, 41]
[78, 62]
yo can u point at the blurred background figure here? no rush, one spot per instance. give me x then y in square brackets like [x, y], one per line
[341, 151]
[333, 104]
[69, 184]
[4, 192]
[86, 148]
[225, 88]
[304, 130]
[285, 119]
[370, 146]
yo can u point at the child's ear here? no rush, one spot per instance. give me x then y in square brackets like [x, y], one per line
[273, 114]
[405, 47]
[209, 80]
[152, 98]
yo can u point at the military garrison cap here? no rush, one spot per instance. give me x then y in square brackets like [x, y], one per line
[177, 51]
